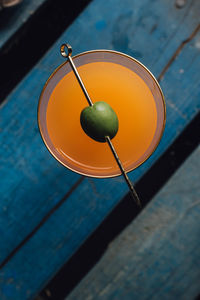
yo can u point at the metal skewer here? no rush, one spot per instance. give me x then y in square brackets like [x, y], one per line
[132, 190]
[107, 138]
[64, 54]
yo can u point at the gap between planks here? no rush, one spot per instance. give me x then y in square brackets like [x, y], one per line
[31, 41]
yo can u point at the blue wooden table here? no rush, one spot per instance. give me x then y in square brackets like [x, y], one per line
[47, 212]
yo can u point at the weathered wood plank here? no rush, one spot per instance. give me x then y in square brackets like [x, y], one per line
[71, 224]
[22, 163]
[157, 256]
[12, 19]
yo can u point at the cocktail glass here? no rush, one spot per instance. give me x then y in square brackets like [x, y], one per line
[131, 90]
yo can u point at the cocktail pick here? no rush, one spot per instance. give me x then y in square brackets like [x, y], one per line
[107, 138]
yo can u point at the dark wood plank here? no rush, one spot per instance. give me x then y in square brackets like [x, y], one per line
[157, 256]
[30, 173]
[12, 19]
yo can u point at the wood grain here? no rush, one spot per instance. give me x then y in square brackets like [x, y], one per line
[33, 183]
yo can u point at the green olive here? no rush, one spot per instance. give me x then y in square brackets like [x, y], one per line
[99, 120]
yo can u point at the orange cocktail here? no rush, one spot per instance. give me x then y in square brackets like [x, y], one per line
[137, 101]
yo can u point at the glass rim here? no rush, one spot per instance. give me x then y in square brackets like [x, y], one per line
[112, 52]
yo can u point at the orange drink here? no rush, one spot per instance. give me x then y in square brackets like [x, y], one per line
[131, 91]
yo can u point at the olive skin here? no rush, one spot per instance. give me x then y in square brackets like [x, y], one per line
[99, 120]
